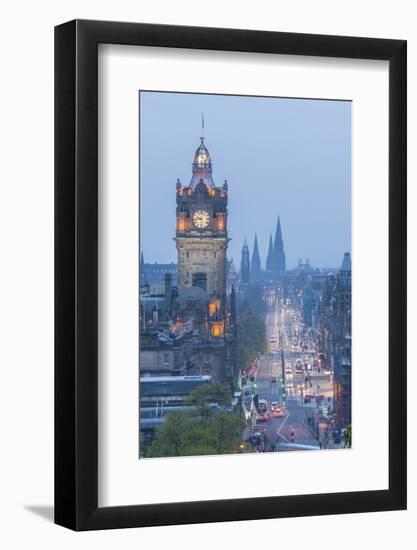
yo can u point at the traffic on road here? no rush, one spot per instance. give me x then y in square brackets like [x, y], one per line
[288, 396]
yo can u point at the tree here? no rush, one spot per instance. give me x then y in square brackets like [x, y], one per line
[169, 436]
[209, 432]
[251, 336]
[202, 396]
[183, 435]
[227, 430]
[254, 299]
[347, 436]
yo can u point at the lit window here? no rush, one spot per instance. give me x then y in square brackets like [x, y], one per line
[214, 306]
[217, 329]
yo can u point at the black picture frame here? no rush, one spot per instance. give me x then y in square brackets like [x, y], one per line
[76, 272]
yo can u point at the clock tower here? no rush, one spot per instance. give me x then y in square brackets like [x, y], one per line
[201, 228]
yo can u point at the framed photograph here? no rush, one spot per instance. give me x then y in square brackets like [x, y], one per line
[230, 253]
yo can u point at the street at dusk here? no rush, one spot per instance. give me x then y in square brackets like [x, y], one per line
[245, 347]
[294, 379]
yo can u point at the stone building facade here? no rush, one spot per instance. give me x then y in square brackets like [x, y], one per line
[187, 326]
[201, 232]
[202, 261]
[333, 322]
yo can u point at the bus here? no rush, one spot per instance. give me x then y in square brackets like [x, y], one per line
[262, 415]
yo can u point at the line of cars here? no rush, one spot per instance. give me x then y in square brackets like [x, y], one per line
[264, 414]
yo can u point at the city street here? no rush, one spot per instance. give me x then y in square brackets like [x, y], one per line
[297, 365]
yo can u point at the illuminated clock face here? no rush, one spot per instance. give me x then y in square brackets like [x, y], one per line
[201, 219]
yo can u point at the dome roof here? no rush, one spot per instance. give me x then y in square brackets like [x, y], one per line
[202, 167]
[202, 160]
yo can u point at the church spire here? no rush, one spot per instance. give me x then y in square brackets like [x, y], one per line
[256, 262]
[231, 275]
[202, 165]
[278, 244]
[245, 264]
[279, 254]
[270, 257]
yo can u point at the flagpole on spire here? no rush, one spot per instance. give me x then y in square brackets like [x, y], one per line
[202, 126]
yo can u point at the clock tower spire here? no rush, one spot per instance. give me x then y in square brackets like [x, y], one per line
[201, 229]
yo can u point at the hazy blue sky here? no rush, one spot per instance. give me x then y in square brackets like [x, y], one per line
[290, 157]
